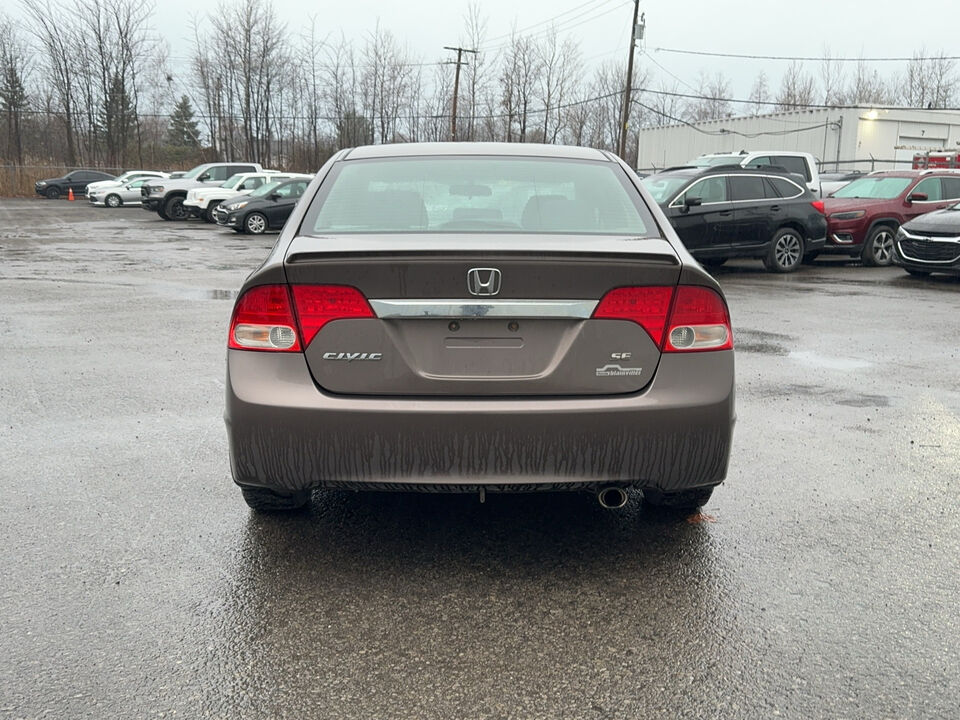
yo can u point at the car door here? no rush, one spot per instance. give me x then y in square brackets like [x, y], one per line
[282, 201]
[933, 189]
[752, 208]
[704, 229]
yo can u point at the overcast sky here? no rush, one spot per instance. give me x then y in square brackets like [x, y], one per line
[764, 27]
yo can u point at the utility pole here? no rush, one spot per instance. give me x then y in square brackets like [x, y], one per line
[456, 86]
[626, 91]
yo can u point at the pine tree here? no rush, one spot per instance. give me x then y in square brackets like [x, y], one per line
[183, 131]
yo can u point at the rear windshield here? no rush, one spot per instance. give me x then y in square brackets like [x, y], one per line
[477, 194]
[878, 188]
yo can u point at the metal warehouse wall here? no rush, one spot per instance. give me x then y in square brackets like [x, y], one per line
[866, 139]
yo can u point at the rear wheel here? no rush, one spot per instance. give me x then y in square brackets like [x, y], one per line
[786, 251]
[683, 500]
[878, 249]
[174, 209]
[113, 200]
[264, 500]
[255, 223]
[208, 213]
[53, 193]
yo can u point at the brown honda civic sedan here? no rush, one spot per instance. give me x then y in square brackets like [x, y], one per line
[479, 317]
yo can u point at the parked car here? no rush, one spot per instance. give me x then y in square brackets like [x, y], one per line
[863, 217]
[266, 208]
[930, 243]
[115, 197]
[833, 181]
[166, 197]
[202, 201]
[479, 317]
[125, 178]
[729, 211]
[76, 180]
[800, 163]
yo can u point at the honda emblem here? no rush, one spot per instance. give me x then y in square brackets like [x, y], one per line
[483, 281]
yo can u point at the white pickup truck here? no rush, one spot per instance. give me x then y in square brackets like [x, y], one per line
[799, 163]
[202, 201]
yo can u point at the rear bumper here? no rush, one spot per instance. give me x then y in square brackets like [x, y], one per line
[286, 434]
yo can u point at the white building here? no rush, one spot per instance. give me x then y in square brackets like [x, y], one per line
[881, 138]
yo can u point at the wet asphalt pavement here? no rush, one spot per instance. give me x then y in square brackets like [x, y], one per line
[822, 581]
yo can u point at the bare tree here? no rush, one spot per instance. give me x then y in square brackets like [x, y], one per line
[665, 107]
[14, 74]
[713, 101]
[560, 65]
[831, 77]
[867, 87]
[796, 88]
[760, 94]
[930, 81]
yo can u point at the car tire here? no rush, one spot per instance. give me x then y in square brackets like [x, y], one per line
[255, 223]
[174, 209]
[112, 200]
[264, 500]
[786, 251]
[878, 249]
[918, 273]
[52, 193]
[683, 500]
[208, 213]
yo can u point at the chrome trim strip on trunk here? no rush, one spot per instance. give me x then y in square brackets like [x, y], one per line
[568, 309]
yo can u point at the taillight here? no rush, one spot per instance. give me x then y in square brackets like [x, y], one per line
[646, 306]
[692, 319]
[263, 320]
[698, 321]
[818, 206]
[319, 304]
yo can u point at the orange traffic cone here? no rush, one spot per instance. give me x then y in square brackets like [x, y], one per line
[70, 196]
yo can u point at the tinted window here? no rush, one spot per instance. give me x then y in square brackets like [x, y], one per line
[252, 183]
[663, 187]
[784, 188]
[743, 187]
[794, 164]
[709, 190]
[234, 169]
[759, 162]
[294, 189]
[929, 186]
[478, 194]
[951, 188]
[218, 174]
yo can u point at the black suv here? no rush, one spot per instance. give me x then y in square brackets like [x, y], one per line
[76, 181]
[728, 211]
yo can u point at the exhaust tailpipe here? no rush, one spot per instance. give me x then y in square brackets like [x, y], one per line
[612, 498]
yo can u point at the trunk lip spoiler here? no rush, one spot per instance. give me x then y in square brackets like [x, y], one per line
[458, 308]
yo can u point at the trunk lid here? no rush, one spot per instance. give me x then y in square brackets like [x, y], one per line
[445, 325]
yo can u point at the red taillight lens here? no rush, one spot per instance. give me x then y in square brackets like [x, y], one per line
[319, 304]
[263, 320]
[646, 306]
[818, 206]
[698, 321]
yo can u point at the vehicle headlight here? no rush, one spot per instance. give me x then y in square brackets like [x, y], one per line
[237, 206]
[851, 215]
[901, 232]
[42, 182]
[155, 188]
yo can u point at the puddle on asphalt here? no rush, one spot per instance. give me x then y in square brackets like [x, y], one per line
[829, 363]
[194, 293]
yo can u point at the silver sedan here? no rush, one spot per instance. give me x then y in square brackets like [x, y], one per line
[115, 197]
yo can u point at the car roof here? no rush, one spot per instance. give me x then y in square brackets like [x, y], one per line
[912, 173]
[475, 148]
[693, 172]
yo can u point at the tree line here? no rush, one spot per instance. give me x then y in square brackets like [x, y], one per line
[93, 84]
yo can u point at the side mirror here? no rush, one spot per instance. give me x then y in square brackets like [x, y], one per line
[916, 197]
[689, 202]
[204, 177]
[275, 196]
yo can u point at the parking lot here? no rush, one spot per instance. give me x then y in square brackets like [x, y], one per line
[821, 581]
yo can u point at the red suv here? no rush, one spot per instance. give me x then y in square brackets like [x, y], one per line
[863, 217]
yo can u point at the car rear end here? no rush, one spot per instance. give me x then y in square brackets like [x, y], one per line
[492, 338]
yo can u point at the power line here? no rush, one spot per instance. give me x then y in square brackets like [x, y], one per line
[497, 38]
[801, 57]
[561, 27]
